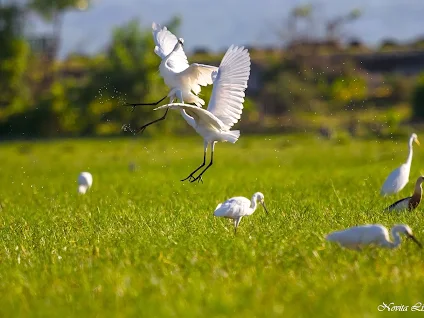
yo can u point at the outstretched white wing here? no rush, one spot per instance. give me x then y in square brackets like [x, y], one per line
[198, 114]
[165, 42]
[230, 82]
[198, 75]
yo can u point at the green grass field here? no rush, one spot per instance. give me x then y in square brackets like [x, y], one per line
[143, 244]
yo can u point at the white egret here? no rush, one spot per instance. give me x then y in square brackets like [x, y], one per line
[371, 234]
[85, 180]
[184, 80]
[225, 105]
[409, 203]
[237, 207]
[399, 177]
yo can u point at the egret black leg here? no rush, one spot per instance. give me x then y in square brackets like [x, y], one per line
[134, 105]
[199, 177]
[142, 128]
[202, 165]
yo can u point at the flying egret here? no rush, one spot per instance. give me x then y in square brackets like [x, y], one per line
[184, 80]
[85, 180]
[237, 207]
[371, 234]
[399, 177]
[409, 203]
[225, 105]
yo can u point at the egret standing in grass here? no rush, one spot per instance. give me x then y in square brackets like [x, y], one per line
[399, 177]
[371, 234]
[85, 180]
[184, 80]
[237, 207]
[225, 105]
[409, 203]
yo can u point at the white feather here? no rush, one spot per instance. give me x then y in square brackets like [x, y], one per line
[184, 80]
[399, 177]
[229, 86]
[370, 234]
[165, 42]
[85, 180]
[226, 103]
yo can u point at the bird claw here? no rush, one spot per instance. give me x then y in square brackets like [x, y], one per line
[198, 178]
[127, 127]
[189, 178]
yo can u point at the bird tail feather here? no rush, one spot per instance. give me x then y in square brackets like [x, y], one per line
[232, 136]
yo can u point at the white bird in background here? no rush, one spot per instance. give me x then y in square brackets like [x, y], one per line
[409, 203]
[85, 180]
[184, 80]
[370, 234]
[237, 207]
[399, 177]
[225, 105]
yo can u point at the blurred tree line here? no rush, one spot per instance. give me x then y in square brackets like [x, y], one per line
[84, 95]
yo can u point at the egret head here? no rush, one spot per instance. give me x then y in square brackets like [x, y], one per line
[405, 229]
[414, 137]
[260, 197]
[179, 44]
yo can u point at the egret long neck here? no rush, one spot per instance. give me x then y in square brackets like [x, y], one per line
[396, 241]
[253, 204]
[190, 120]
[409, 160]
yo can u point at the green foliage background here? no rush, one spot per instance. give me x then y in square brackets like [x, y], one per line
[296, 90]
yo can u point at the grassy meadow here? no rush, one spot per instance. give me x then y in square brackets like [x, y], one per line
[141, 243]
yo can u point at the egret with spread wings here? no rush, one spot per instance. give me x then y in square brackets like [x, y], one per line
[184, 80]
[225, 105]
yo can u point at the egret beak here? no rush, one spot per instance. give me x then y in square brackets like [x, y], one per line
[415, 240]
[263, 204]
[417, 141]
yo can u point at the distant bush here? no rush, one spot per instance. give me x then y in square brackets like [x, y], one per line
[418, 44]
[389, 44]
[345, 89]
[400, 88]
[418, 99]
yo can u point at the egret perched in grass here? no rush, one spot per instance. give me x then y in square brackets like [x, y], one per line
[237, 207]
[399, 177]
[85, 180]
[409, 203]
[370, 234]
[184, 80]
[225, 105]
